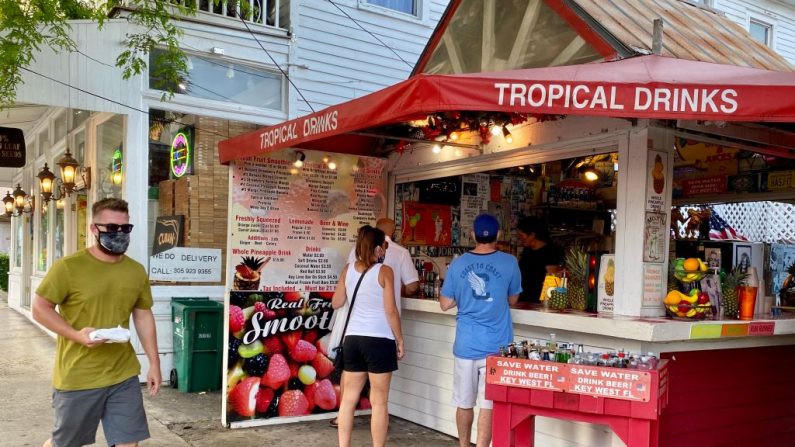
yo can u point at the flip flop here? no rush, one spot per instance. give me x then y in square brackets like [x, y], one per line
[333, 423]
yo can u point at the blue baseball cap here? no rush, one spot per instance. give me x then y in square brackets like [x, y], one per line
[486, 225]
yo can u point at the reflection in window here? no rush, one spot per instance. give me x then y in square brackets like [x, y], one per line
[58, 230]
[407, 6]
[546, 40]
[44, 233]
[221, 80]
[760, 31]
[18, 242]
[110, 158]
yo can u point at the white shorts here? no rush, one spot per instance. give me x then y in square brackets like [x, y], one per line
[469, 384]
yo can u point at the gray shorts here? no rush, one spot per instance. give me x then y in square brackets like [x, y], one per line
[469, 384]
[120, 407]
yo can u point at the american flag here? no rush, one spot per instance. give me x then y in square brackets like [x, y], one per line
[720, 230]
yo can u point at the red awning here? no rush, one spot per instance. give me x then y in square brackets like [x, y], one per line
[642, 87]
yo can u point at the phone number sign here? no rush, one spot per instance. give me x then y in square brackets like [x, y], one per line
[182, 264]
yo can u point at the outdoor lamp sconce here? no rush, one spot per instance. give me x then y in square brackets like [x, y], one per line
[8, 204]
[299, 159]
[19, 202]
[70, 169]
[46, 181]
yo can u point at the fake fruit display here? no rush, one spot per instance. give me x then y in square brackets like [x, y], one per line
[577, 265]
[693, 305]
[689, 270]
[729, 282]
[247, 273]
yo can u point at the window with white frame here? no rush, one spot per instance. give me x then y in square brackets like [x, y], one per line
[405, 6]
[761, 32]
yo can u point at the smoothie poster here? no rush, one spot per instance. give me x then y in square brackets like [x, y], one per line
[291, 228]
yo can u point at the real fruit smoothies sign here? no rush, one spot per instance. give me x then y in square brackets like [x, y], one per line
[615, 383]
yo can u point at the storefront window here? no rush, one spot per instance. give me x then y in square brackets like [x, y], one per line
[44, 233]
[43, 142]
[110, 157]
[80, 146]
[79, 116]
[221, 80]
[59, 127]
[81, 217]
[58, 230]
[18, 242]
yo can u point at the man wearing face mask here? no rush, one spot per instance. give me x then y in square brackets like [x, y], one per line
[97, 288]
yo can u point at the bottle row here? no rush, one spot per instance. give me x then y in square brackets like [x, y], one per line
[572, 353]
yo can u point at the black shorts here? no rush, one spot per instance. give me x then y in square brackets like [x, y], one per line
[369, 354]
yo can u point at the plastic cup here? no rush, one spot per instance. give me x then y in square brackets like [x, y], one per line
[747, 302]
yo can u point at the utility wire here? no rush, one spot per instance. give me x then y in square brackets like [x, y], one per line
[274, 61]
[368, 32]
[116, 102]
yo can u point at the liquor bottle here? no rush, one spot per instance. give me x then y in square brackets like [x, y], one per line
[553, 344]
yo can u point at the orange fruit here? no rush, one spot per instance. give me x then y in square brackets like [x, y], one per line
[691, 264]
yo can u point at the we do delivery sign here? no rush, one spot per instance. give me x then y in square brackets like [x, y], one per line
[183, 264]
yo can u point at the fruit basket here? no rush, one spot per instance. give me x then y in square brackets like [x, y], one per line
[688, 312]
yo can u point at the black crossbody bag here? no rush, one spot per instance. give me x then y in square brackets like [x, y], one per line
[339, 362]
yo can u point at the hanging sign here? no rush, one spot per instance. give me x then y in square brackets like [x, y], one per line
[180, 154]
[655, 187]
[168, 233]
[12, 148]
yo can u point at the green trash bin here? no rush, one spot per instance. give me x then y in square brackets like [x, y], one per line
[198, 344]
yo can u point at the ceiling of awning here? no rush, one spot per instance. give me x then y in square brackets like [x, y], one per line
[478, 35]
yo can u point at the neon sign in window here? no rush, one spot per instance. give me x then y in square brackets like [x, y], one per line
[117, 174]
[180, 155]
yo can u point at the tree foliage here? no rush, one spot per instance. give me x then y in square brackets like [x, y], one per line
[29, 26]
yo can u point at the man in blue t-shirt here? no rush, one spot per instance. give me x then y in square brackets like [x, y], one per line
[482, 284]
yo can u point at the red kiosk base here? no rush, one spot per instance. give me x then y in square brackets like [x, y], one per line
[523, 389]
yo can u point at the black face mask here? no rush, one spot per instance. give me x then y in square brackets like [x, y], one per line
[113, 243]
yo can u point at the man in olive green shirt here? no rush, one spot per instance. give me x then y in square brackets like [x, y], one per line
[99, 288]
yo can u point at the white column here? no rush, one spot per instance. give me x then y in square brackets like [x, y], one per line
[640, 285]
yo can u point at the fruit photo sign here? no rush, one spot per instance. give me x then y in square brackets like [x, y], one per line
[291, 229]
[293, 224]
[277, 355]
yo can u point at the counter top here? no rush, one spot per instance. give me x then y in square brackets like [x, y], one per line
[654, 330]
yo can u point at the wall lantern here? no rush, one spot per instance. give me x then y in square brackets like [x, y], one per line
[70, 169]
[46, 181]
[17, 203]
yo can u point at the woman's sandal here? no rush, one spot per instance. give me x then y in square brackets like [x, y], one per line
[333, 423]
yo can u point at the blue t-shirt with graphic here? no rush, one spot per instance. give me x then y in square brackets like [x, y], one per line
[480, 284]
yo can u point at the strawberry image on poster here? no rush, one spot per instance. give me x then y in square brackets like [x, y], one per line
[277, 355]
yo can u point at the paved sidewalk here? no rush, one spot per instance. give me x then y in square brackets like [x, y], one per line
[175, 419]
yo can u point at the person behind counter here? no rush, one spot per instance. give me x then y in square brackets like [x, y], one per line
[539, 257]
[373, 341]
[482, 283]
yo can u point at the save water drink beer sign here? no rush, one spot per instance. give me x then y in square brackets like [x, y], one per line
[614, 383]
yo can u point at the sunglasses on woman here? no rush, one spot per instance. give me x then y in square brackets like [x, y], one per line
[115, 228]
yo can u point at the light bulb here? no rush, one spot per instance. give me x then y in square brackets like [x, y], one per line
[436, 149]
[495, 130]
[591, 175]
[332, 165]
[298, 163]
[453, 135]
[182, 86]
[293, 171]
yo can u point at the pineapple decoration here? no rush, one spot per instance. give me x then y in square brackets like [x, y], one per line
[788, 288]
[610, 278]
[559, 297]
[247, 273]
[577, 265]
[729, 284]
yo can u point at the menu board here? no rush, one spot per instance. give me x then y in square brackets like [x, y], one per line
[474, 200]
[291, 228]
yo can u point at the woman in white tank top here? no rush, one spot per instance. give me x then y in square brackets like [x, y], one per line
[373, 340]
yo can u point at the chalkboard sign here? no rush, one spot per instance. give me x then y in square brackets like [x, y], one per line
[443, 191]
[12, 148]
[168, 233]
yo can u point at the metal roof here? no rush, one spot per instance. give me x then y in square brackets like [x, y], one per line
[690, 32]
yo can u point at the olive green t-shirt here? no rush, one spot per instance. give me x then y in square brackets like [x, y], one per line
[98, 294]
